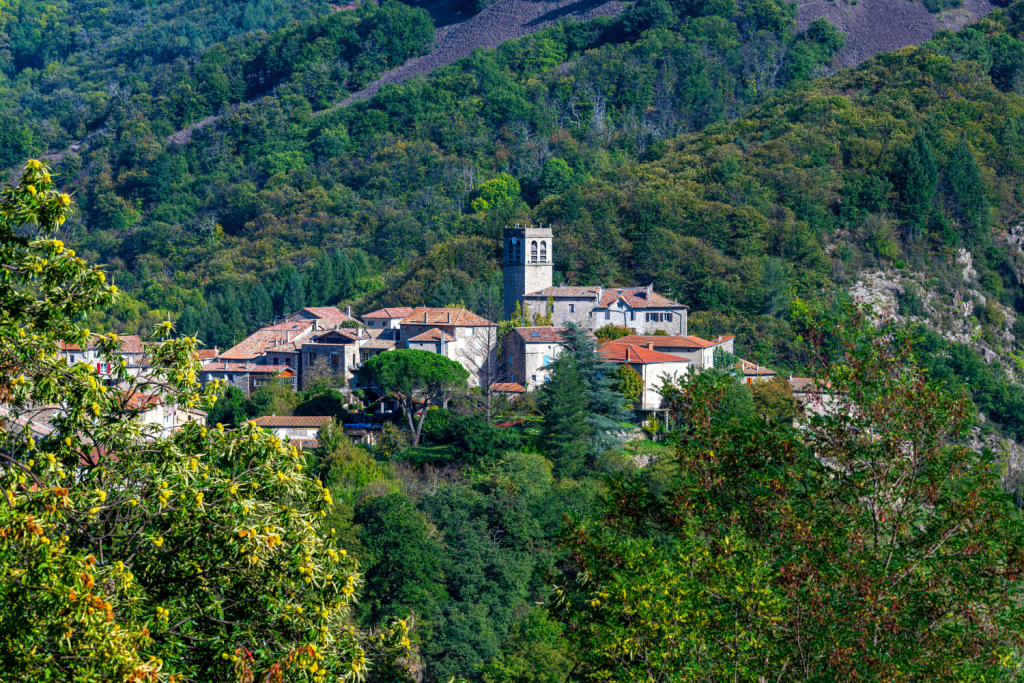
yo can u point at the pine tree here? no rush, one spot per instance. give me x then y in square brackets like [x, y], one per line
[606, 408]
[294, 298]
[920, 180]
[188, 323]
[342, 274]
[969, 190]
[567, 430]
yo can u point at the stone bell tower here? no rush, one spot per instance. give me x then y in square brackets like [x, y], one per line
[526, 263]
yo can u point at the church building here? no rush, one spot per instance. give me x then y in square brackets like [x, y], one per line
[527, 265]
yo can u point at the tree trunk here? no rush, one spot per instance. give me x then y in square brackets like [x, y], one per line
[408, 405]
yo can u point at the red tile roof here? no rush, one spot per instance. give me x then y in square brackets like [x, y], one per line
[139, 400]
[508, 388]
[804, 385]
[538, 335]
[689, 342]
[292, 420]
[748, 368]
[251, 368]
[432, 336]
[388, 313]
[634, 297]
[378, 344]
[208, 354]
[268, 338]
[445, 316]
[328, 313]
[631, 353]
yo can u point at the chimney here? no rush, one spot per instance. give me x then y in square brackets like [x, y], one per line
[288, 336]
[650, 345]
[348, 311]
[650, 290]
[448, 315]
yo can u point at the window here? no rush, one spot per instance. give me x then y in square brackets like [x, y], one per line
[544, 252]
[335, 359]
[275, 361]
[533, 251]
[72, 358]
[607, 315]
[547, 360]
[288, 362]
[353, 360]
[572, 308]
[515, 255]
[534, 378]
[632, 315]
[232, 376]
[312, 358]
[547, 378]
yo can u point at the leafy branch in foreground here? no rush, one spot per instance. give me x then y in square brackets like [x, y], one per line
[127, 555]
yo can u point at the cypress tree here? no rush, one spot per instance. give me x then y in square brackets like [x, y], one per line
[567, 431]
[261, 307]
[920, 180]
[606, 408]
[188, 323]
[342, 274]
[322, 282]
[969, 190]
[294, 298]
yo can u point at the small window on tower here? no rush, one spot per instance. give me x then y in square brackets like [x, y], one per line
[533, 251]
[544, 252]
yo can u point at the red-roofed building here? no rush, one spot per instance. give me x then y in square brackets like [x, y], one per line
[133, 352]
[247, 376]
[529, 351]
[639, 308]
[329, 316]
[653, 367]
[752, 372]
[301, 430]
[700, 352]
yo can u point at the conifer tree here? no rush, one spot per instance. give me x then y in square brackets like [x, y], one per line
[567, 431]
[323, 286]
[968, 190]
[262, 310]
[920, 180]
[294, 295]
[605, 406]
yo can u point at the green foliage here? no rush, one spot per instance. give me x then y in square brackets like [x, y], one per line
[129, 554]
[969, 190]
[629, 383]
[611, 332]
[534, 652]
[920, 180]
[773, 400]
[709, 578]
[474, 439]
[498, 195]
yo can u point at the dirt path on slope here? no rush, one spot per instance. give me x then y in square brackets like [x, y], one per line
[873, 26]
[503, 21]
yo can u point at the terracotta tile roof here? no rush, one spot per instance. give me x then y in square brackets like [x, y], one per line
[266, 339]
[748, 368]
[804, 385]
[139, 400]
[508, 388]
[689, 342]
[538, 335]
[379, 344]
[292, 420]
[251, 368]
[388, 313]
[208, 354]
[572, 292]
[432, 336]
[340, 335]
[631, 353]
[445, 316]
[329, 313]
[634, 297]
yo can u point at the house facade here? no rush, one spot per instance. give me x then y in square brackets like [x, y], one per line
[528, 351]
[389, 320]
[247, 377]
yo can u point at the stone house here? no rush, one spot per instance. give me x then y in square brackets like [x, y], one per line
[301, 431]
[752, 372]
[654, 367]
[527, 351]
[133, 352]
[638, 308]
[338, 351]
[455, 333]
